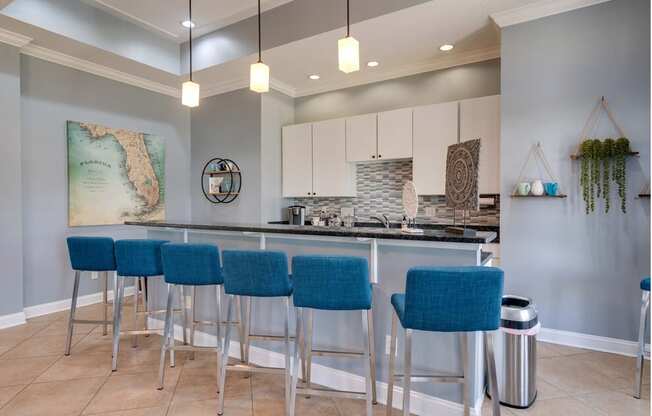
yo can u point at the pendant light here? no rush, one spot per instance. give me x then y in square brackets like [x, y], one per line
[189, 89]
[348, 48]
[259, 72]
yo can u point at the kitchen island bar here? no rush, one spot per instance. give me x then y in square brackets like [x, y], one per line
[391, 254]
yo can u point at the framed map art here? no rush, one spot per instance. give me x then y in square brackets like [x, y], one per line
[114, 175]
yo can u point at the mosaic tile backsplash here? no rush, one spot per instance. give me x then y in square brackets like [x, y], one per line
[380, 186]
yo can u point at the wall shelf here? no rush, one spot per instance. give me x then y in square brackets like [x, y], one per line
[225, 172]
[578, 157]
[539, 196]
[643, 195]
[221, 180]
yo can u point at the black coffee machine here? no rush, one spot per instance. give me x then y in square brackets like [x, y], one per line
[297, 215]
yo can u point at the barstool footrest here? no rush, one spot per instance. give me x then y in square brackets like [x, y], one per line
[344, 394]
[255, 369]
[143, 332]
[259, 337]
[90, 321]
[431, 378]
[346, 354]
[192, 348]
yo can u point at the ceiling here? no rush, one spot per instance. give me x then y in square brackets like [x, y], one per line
[209, 15]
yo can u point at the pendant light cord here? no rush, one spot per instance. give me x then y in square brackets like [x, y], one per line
[348, 24]
[190, 35]
[260, 48]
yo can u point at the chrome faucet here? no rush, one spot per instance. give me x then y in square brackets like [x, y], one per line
[384, 220]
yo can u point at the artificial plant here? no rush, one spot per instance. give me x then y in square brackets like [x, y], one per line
[586, 153]
[621, 150]
[608, 147]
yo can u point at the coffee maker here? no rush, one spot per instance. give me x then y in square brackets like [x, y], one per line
[297, 215]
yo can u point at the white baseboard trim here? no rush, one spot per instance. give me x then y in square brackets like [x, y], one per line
[420, 404]
[7, 321]
[591, 342]
[63, 305]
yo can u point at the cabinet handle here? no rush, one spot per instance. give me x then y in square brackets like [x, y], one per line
[314, 193]
[379, 156]
[308, 193]
[373, 156]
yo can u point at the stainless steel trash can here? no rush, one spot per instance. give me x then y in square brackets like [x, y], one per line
[516, 352]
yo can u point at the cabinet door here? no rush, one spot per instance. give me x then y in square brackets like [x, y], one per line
[435, 128]
[395, 134]
[480, 118]
[332, 175]
[297, 160]
[361, 138]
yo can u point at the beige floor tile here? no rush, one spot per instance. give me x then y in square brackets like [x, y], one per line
[617, 404]
[49, 317]
[133, 391]
[612, 365]
[38, 346]
[357, 407]
[60, 327]
[209, 408]
[547, 390]
[193, 388]
[78, 366]
[547, 350]
[148, 411]
[8, 393]
[59, 398]
[574, 376]
[95, 343]
[565, 406]
[316, 406]
[4, 349]
[23, 370]
[10, 337]
[487, 410]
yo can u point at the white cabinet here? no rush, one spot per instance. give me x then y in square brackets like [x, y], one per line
[331, 174]
[314, 160]
[361, 138]
[435, 128]
[297, 160]
[395, 134]
[480, 118]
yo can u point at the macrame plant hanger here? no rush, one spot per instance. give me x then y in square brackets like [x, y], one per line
[593, 121]
[536, 151]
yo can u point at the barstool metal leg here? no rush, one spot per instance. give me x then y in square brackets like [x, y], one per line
[367, 356]
[640, 359]
[310, 324]
[466, 387]
[218, 331]
[185, 317]
[295, 361]
[166, 338]
[286, 334]
[117, 318]
[225, 354]
[145, 300]
[248, 307]
[137, 288]
[392, 363]
[491, 371]
[372, 355]
[73, 309]
[241, 327]
[407, 377]
[193, 314]
[105, 300]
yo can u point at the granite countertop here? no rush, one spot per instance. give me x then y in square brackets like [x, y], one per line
[432, 235]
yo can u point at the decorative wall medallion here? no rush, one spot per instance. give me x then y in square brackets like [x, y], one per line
[462, 175]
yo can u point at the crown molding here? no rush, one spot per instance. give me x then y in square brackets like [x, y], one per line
[99, 70]
[540, 9]
[13, 38]
[239, 83]
[449, 61]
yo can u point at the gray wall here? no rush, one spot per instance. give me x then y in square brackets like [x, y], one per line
[583, 271]
[457, 83]
[11, 237]
[52, 94]
[228, 126]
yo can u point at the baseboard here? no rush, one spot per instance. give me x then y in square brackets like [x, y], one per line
[591, 342]
[7, 321]
[63, 305]
[420, 404]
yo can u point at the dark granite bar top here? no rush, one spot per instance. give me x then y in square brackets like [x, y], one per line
[432, 235]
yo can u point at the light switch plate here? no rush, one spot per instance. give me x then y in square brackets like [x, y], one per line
[346, 212]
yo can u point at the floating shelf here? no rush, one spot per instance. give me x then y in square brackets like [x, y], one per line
[224, 193]
[630, 154]
[221, 172]
[541, 196]
[643, 195]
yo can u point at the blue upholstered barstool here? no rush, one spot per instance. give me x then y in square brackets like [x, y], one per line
[255, 274]
[640, 359]
[447, 299]
[189, 265]
[140, 260]
[333, 283]
[89, 254]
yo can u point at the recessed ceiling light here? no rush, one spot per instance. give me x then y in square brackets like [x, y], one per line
[188, 24]
[372, 64]
[446, 48]
[314, 77]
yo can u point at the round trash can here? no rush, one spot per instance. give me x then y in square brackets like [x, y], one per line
[516, 352]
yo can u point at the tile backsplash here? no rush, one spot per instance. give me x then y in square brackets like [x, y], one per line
[380, 187]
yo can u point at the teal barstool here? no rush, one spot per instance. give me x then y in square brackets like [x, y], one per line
[640, 359]
[139, 260]
[89, 254]
[333, 283]
[447, 299]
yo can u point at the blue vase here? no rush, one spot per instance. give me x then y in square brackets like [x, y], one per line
[551, 188]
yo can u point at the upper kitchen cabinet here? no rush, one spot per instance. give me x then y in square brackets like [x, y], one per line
[331, 174]
[435, 128]
[395, 134]
[361, 138]
[297, 160]
[480, 118]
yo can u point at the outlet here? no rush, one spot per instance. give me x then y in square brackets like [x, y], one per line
[431, 212]
[95, 275]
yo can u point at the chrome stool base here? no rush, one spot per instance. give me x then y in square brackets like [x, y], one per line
[640, 358]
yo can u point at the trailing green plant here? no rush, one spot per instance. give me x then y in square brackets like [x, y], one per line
[608, 151]
[596, 159]
[586, 154]
[621, 151]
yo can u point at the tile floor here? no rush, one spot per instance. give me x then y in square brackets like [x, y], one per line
[36, 379]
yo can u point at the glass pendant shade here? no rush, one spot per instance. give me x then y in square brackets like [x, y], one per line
[190, 94]
[259, 77]
[348, 54]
